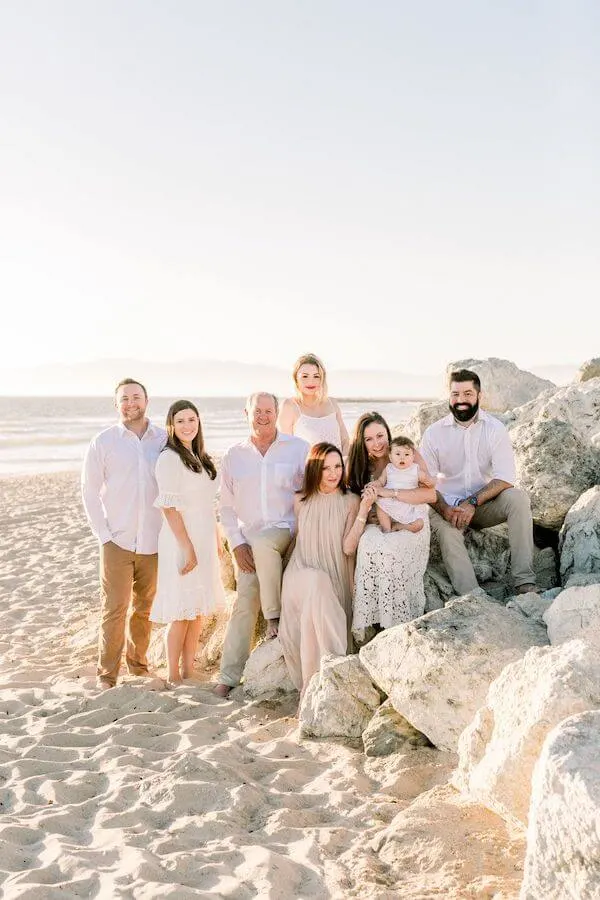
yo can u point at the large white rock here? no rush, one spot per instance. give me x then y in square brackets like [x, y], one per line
[589, 369]
[575, 613]
[340, 699]
[437, 669]
[503, 385]
[266, 671]
[424, 416]
[579, 541]
[563, 840]
[498, 750]
[555, 465]
[576, 404]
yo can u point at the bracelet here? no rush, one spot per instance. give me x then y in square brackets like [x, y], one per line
[360, 519]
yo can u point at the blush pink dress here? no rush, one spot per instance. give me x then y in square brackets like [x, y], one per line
[316, 595]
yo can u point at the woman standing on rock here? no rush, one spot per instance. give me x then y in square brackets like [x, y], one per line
[389, 567]
[312, 414]
[316, 596]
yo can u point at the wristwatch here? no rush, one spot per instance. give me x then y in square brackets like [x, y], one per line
[473, 500]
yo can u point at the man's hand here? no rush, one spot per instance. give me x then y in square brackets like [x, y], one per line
[464, 512]
[244, 558]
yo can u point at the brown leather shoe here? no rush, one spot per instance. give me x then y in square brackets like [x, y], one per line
[222, 690]
[527, 589]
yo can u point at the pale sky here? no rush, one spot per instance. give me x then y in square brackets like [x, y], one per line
[388, 184]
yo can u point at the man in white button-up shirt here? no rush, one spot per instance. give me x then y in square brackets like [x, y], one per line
[119, 490]
[470, 454]
[258, 480]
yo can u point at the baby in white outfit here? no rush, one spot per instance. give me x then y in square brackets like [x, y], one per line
[401, 473]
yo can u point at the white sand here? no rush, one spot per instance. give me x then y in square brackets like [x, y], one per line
[142, 793]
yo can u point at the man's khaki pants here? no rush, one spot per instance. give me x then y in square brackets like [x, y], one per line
[261, 589]
[511, 506]
[127, 580]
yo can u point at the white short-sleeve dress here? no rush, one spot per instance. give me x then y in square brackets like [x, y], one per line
[200, 592]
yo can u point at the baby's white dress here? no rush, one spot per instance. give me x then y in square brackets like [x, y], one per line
[400, 480]
[200, 592]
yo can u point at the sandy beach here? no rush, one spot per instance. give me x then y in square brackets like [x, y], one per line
[140, 792]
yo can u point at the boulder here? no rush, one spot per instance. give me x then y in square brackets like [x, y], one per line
[437, 669]
[579, 541]
[589, 369]
[339, 701]
[576, 404]
[425, 415]
[531, 605]
[555, 465]
[575, 614]
[266, 671]
[389, 732]
[563, 841]
[578, 580]
[498, 750]
[503, 385]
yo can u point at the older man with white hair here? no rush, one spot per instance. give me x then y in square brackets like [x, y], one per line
[259, 477]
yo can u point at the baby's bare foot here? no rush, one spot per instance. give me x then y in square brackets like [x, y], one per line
[415, 526]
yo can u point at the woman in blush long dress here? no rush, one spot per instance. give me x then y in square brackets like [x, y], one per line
[189, 582]
[316, 596]
[388, 582]
[312, 414]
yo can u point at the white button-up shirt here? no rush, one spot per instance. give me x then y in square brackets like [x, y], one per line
[258, 491]
[465, 459]
[119, 487]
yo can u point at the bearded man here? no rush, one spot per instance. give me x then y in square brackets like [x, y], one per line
[470, 454]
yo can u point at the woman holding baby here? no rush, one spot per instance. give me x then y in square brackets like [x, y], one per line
[394, 547]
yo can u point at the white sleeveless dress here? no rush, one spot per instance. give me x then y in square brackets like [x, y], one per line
[318, 429]
[200, 592]
[398, 480]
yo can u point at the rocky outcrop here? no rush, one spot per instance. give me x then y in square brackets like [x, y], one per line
[579, 542]
[589, 369]
[437, 669]
[389, 732]
[576, 404]
[425, 415]
[555, 465]
[339, 701]
[575, 614]
[563, 842]
[498, 750]
[503, 385]
[266, 671]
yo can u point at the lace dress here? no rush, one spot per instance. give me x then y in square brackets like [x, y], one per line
[184, 597]
[316, 595]
[388, 584]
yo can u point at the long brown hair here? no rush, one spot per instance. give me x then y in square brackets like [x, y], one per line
[309, 359]
[313, 470]
[197, 459]
[359, 473]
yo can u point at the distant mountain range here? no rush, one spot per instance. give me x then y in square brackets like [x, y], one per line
[219, 378]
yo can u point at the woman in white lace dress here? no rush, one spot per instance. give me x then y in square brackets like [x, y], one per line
[388, 582]
[312, 414]
[189, 582]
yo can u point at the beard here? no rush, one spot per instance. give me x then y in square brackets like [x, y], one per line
[467, 412]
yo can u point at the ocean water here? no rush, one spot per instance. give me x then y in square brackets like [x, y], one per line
[50, 434]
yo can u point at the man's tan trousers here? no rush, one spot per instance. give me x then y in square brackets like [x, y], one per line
[261, 589]
[511, 506]
[128, 585]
